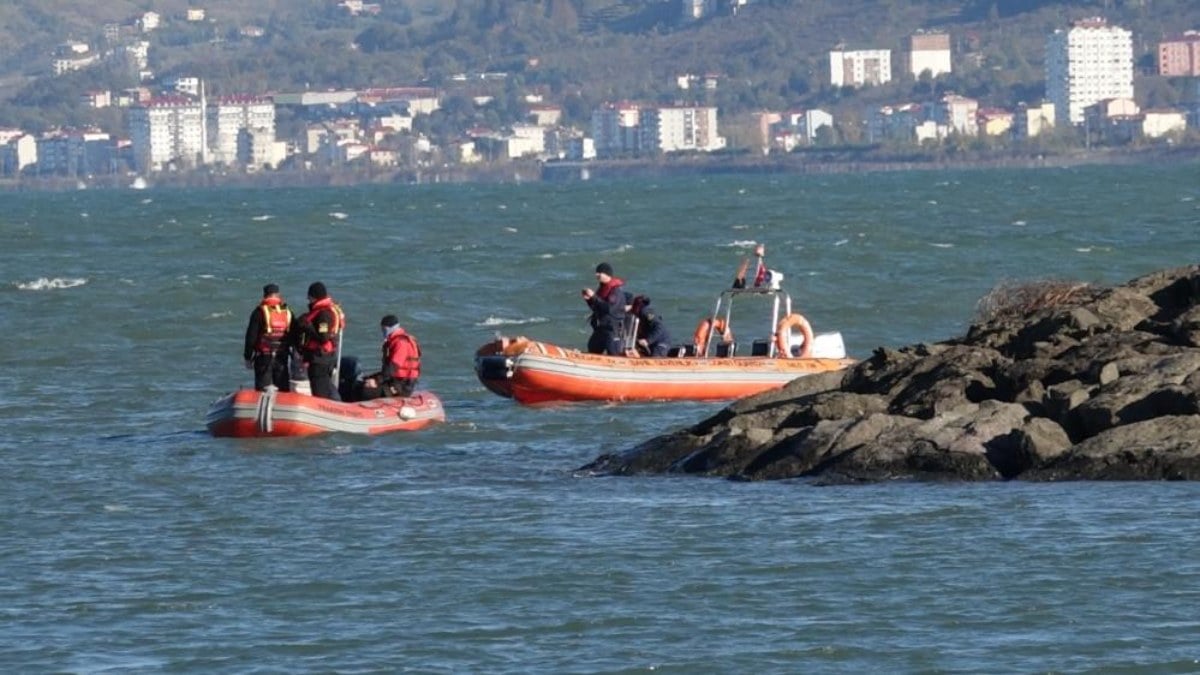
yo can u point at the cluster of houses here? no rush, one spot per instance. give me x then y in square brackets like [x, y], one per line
[1089, 84]
[176, 126]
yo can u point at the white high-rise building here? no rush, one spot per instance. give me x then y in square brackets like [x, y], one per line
[1089, 63]
[228, 117]
[185, 133]
[679, 128]
[167, 130]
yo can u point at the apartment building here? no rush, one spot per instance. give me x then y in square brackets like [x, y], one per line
[1179, 56]
[74, 152]
[1089, 62]
[167, 130]
[616, 128]
[681, 128]
[187, 132]
[929, 52]
[228, 118]
[860, 68]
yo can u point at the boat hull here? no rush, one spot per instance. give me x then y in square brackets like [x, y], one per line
[247, 413]
[535, 373]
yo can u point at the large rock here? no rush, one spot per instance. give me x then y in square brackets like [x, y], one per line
[1101, 383]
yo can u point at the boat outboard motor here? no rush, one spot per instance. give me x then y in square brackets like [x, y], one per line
[349, 377]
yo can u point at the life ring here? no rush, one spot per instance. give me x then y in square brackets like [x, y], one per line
[783, 334]
[700, 337]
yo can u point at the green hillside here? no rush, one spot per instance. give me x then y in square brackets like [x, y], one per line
[771, 54]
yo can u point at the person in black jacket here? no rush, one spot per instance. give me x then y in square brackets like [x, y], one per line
[317, 335]
[266, 347]
[652, 336]
[607, 303]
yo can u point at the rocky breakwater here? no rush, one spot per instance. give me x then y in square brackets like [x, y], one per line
[1053, 381]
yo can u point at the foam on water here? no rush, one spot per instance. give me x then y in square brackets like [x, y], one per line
[493, 321]
[48, 284]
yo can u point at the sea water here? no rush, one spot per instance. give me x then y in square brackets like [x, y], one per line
[135, 542]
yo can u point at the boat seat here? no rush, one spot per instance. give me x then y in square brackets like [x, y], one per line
[760, 348]
[682, 350]
[726, 349]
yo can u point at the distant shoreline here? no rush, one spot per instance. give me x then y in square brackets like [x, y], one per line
[519, 171]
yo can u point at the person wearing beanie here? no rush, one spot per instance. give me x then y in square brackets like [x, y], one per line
[265, 349]
[607, 319]
[318, 335]
[401, 364]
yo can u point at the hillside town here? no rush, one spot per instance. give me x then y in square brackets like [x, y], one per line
[174, 125]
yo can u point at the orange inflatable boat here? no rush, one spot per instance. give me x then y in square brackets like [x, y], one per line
[247, 413]
[711, 368]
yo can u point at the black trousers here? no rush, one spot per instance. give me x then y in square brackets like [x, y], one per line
[399, 388]
[271, 369]
[605, 342]
[320, 377]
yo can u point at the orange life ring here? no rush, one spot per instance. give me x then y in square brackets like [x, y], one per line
[700, 337]
[783, 332]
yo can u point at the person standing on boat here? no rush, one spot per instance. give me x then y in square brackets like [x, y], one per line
[317, 335]
[607, 303]
[652, 336]
[401, 363]
[266, 348]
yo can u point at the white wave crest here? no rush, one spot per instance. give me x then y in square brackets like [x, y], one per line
[742, 243]
[263, 217]
[44, 284]
[492, 321]
[338, 215]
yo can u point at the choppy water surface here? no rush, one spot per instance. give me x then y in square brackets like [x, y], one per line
[134, 542]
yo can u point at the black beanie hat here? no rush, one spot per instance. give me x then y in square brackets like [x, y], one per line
[270, 289]
[604, 268]
[389, 321]
[316, 291]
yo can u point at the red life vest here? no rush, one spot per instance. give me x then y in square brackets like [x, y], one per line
[277, 318]
[607, 289]
[333, 333]
[403, 354]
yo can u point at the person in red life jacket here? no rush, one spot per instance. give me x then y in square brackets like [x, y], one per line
[761, 273]
[607, 303]
[316, 335]
[401, 363]
[266, 347]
